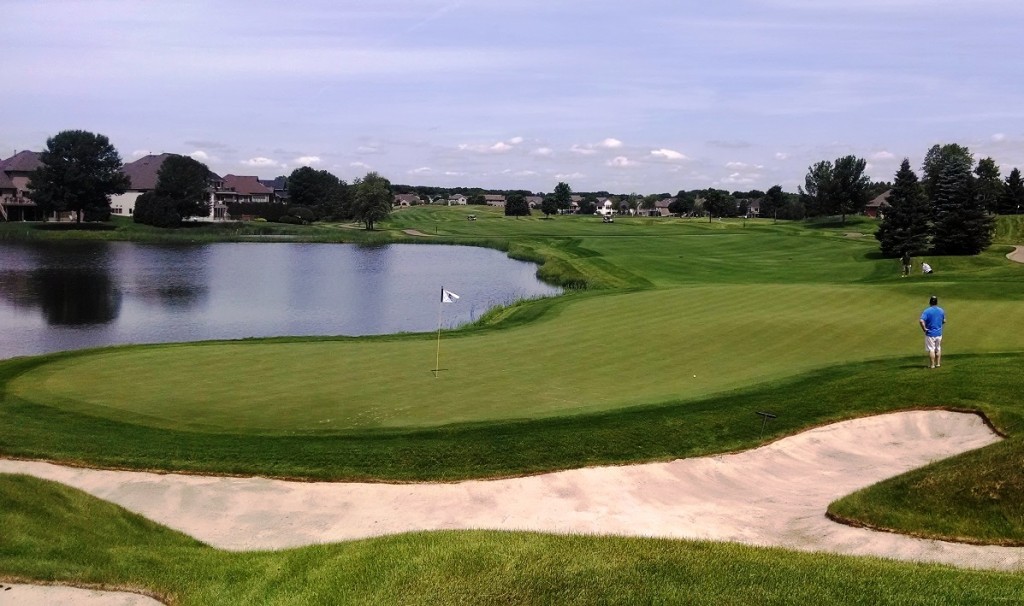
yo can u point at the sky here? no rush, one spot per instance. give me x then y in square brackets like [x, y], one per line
[645, 96]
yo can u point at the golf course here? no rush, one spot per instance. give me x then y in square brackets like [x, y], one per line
[671, 336]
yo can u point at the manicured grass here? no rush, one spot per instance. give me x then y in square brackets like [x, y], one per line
[58, 534]
[806, 321]
[701, 340]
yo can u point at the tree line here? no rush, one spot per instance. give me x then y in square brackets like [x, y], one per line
[80, 170]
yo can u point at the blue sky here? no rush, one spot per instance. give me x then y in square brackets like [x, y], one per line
[645, 96]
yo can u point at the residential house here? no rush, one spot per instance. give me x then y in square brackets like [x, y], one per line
[457, 200]
[280, 187]
[661, 208]
[143, 175]
[495, 200]
[534, 201]
[15, 205]
[142, 178]
[876, 208]
[243, 188]
[754, 207]
[403, 200]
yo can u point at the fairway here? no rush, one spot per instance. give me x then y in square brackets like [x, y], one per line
[596, 354]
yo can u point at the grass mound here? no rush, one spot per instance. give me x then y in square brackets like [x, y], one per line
[60, 535]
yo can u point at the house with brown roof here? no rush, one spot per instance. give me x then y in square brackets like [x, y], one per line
[876, 208]
[143, 175]
[15, 205]
[243, 188]
[495, 200]
[403, 200]
[142, 178]
[534, 201]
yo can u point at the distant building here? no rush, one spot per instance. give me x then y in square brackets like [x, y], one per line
[402, 200]
[495, 200]
[15, 205]
[876, 208]
[243, 188]
[142, 178]
[280, 187]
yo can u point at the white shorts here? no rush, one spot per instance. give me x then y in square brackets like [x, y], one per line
[933, 344]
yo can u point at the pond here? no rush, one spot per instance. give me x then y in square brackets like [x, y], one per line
[57, 296]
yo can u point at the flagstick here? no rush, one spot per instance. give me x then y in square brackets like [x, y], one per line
[437, 358]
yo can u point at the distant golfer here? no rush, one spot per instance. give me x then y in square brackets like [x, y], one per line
[907, 264]
[925, 268]
[931, 322]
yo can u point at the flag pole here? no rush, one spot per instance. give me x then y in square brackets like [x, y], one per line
[437, 357]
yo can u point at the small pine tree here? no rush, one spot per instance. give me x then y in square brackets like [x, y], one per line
[905, 225]
[1012, 201]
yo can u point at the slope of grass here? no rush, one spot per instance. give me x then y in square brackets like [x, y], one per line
[57, 534]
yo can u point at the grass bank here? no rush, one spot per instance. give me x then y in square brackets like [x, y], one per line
[57, 534]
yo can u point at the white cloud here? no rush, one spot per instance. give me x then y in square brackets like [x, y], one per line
[526, 173]
[500, 146]
[743, 166]
[368, 149]
[360, 165]
[586, 151]
[883, 155]
[620, 162]
[781, 156]
[610, 143]
[543, 151]
[200, 155]
[261, 162]
[567, 176]
[515, 140]
[423, 170]
[452, 173]
[307, 160]
[140, 152]
[668, 154]
[999, 137]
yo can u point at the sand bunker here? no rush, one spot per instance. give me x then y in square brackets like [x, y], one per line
[773, 495]
[1017, 254]
[44, 595]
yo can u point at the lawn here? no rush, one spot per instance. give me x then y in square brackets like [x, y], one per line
[686, 328]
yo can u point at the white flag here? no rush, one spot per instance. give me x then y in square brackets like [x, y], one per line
[448, 296]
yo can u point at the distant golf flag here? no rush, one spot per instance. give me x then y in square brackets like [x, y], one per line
[447, 296]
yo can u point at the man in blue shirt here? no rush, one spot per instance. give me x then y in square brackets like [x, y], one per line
[931, 322]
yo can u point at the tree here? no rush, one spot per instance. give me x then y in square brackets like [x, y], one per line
[516, 206]
[961, 226]
[988, 186]
[183, 182]
[151, 209]
[79, 172]
[774, 200]
[1013, 194]
[549, 206]
[718, 202]
[373, 199]
[477, 199]
[905, 227]
[839, 188]
[683, 205]
[588, 205]
[563, 196]
[320, 191]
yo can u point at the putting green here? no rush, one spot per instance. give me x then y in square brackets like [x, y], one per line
[598, 353]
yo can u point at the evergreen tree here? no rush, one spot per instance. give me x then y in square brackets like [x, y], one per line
[1012, 201]
[905, 226]
[961, 226]
[989, 187]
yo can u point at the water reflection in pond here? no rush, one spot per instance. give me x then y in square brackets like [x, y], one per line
[57, 296]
